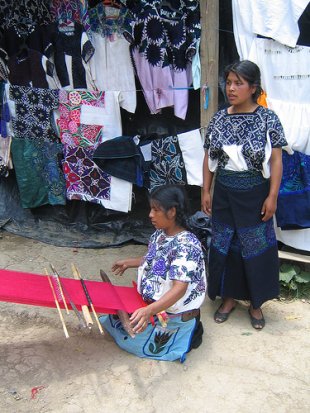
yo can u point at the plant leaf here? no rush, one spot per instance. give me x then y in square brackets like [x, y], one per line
[303, 277]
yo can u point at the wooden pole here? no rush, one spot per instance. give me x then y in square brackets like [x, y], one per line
[209, 56]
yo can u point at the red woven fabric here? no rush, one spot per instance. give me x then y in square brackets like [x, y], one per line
[34, 289]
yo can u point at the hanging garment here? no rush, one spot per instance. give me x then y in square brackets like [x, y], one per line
[31, 68]
[122, 158]
[167, 165]
[86, 182]
[112, 69]
[24, 15]
[107, 20]
[164, 41]
[37, 165]
[286, 79]
[72, 52]
[82, 129]
[275, 19]
[65, 11]
[73, 129]
[293, 207]
[33, 109]
[191, 145]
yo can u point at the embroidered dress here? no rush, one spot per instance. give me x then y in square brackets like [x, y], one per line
[179, 257]
[81, 123]
[39, 176]
[164, 39]
[243, 258]
[36, 151]
[167, 165]
[33, 107]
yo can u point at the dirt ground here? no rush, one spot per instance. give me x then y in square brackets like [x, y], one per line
[236, 369]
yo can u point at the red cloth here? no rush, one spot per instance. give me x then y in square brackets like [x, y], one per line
[34, 289]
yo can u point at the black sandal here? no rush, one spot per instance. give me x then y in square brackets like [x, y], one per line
[257, 323]
[219, 317]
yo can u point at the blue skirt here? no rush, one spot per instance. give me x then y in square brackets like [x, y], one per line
[155, 342]
[243, 257]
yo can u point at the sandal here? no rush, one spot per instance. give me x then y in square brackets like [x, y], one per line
[257, 323]
[222, 317]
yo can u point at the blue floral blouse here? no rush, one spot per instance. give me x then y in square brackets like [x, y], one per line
[179, 257]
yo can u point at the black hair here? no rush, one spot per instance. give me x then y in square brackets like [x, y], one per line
[169, 196]
[249, 71]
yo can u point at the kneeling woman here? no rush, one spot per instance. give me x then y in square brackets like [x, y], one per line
[171, 279]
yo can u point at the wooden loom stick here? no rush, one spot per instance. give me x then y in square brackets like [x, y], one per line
[76, 311]
[122, 315]
[56, 276]
[90, 301]
[57, 305]
[85, 310]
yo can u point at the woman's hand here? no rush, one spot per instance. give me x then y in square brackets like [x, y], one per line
[120, 266]
[206, 202]
[140, 318]
[269, 208]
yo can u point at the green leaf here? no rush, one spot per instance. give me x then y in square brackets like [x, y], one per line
[287, 272]
[303, 277]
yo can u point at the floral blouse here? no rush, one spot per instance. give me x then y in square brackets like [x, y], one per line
[243, 141]
[170, 258]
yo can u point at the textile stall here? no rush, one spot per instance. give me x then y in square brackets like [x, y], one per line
[76, 75]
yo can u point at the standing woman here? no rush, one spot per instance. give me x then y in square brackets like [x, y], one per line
[244, 153]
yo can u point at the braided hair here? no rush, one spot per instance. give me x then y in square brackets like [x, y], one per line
[169, 196]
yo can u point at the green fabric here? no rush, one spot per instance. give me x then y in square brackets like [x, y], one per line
[39, 177]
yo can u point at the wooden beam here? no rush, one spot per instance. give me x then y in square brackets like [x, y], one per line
[286, 255]
[209, 56]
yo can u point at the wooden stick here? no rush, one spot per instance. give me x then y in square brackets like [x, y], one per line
[85, 310]
[73, 306]
[90, 301]
[122, 315]
[57, 305]
[56, 276]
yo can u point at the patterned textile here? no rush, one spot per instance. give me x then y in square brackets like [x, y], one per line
[293, 210]
[170, 258]
[81, 131]
[167, 166]
[23, 15]
[72, 42]
[243, 257]
[33, 108]
[240, 180]
[72, 131]
[165, 34]
[84, 180]
[38, 173]
[108, 21]
[239, 141]
[164, 39]
[64, 11]
[155, 342]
